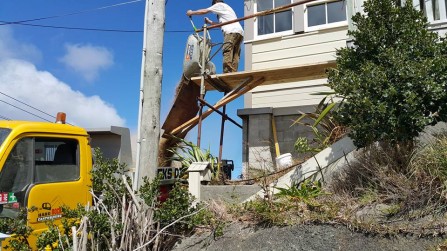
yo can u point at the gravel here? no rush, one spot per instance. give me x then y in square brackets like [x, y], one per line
[302, 237]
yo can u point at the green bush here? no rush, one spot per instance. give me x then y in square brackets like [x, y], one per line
[119, 219]
[393, 78]
[20, 230]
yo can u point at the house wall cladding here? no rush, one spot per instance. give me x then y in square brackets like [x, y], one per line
[297, 47]
[292, 94]
[306, 48]
[282, 50]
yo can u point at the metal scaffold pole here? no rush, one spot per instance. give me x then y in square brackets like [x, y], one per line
[202, 83]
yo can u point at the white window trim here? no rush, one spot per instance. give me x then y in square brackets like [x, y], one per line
[323, 26]
[430, 15]
[270, 35]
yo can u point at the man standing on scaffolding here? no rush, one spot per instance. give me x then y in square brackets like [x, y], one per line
[233, 33]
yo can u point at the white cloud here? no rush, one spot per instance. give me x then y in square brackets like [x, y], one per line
[10, 48]
[20, 79]
[40, 89]
[87, 60]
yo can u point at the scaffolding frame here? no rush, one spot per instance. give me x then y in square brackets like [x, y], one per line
[236, 84]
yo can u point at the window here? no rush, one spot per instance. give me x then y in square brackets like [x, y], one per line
[17, 171]
[56, 160]
[31, 162]
[326, 15]
[15, 177]
[435, 10]
[4, 132]
[274, 23]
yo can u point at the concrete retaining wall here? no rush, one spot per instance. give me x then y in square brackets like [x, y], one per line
[230, 194]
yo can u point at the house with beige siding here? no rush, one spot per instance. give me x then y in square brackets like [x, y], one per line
[307, 34]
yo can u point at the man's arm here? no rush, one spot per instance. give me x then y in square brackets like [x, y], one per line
[209, 21]
[197, 12]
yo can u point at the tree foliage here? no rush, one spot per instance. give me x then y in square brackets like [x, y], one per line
[393, 78]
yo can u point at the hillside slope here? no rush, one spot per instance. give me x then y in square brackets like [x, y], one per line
[303, 237]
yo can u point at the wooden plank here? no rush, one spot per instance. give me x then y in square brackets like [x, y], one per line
[273, 75]
[184, 128]
[184, 107]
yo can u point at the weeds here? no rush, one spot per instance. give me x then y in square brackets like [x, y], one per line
[412, 178]
[305, 192]
[290, 205]
[187, 152]
[404, 182]
[326, 130]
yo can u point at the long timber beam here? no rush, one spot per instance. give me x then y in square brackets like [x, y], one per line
[225, 100]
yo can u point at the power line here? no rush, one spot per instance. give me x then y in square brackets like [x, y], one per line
[72, 28]
[30, 106]
[24, 110]
[37, 109]
[88, 29]
[5, 118]
[72, 13]
[26, 22]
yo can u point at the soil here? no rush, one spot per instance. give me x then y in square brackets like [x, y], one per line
[239, 236]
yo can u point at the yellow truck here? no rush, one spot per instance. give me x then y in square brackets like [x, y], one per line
[43, 166]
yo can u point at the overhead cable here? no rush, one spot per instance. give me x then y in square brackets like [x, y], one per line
[72, 28]
[89, 29]
[5, 118]
[72, 13]
[30, 106]
[24, 110]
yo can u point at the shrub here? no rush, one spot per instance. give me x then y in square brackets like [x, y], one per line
[393, 78]
[119, 218]
[19, 228]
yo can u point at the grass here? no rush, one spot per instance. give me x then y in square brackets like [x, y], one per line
[407, 183]
[413, 178]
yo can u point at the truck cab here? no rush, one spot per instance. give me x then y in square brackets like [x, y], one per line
[43, 166]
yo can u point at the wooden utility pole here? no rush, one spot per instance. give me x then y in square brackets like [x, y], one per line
[150, 92]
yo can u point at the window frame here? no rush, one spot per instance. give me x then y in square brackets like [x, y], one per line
[56, 165]
[327, 25]
[428, 9]
[273, 34]
[33, 168]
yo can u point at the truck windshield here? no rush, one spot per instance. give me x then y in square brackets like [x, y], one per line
[4, 132]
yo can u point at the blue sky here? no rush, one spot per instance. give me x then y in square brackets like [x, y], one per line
[94, 76]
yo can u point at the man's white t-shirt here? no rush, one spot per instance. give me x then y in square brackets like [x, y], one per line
[226, 13]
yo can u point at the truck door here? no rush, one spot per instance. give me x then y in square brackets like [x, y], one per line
[43, 174]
